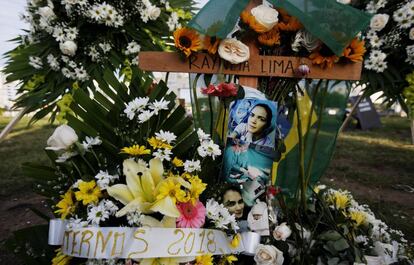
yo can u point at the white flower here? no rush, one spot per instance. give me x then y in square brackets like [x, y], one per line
[136, 105]
[144, 116]
[46, 12]
[72, 64]
[81, 74]
[165, 136]
[104, 179]
[303, 233]
[212, 209]
[268, 255]
[53, 62]
[76, 184]
[265, 16]
[68, 47]
[344, 2]
[234, 51]
[202, 136]
[156, 106]
[411, 34]
[67, 73]
[305, 39]
[172, 22]
[134, 218]
[71, 33]
[282, 232]
[379, 21]
[163, 154]
[76, 223]
[361, 239]
[97, 214]
[209, 148]
[105, 46]
[153, 12]
[191, 166]
[110, 206]
[132, 48]
[65, 156]
[376, 42]
[35, 62]
[94, 54]
[91, 141]
[62, 138]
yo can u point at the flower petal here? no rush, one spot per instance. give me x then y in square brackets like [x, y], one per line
[148, 186]
[166, 206]
[156, 169]
[121, 193]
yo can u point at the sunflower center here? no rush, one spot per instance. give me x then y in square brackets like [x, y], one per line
[325, 51]
[185, 41]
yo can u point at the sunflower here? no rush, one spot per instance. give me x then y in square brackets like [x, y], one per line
[355, 50]
[249, 19]
[187, 40]
[288, 22]
[323, 57]
[211, 44]
[270, 38]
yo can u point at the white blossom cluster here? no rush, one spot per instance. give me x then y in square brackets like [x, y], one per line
[104, 13]
[167, 138]
[404, 16]
[373, 6]
[96, 51]
[104, 262]
[141, 108]
[191, 166]
[103, 179]
[101, 212]
[220, 216]
[148, 11]
[172, 22]
[376, 61]
[134, 218]
[207, 146]
[91, 141]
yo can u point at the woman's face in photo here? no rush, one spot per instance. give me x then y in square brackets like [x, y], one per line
[257, 120]
[233, 201]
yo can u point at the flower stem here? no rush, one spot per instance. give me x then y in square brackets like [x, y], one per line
[301, 155]
[197, 106]
[210, 105]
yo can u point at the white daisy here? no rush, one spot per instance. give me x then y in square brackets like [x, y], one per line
[163, 154]
[144, 116]
[94, 54]
[209, 148]
[157, 106]
[191, 166]
[132, 48]
[81, 74]
[166, 136]
[104, 179]
[110, 206]
[53, 62]
[91, 141]
[58, 34]
[105, 46]
[97, 214]
[35, 62]
[134, 218]
[67, 73]
[202, 136]
[71, 33]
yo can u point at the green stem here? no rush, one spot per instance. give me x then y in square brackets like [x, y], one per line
[197, 106]
[315, 138]
[210, 105]
[96, 157]
[313, 100]
[301, 156]
[167, 75]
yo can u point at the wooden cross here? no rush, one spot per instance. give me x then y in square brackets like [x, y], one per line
[248, 72]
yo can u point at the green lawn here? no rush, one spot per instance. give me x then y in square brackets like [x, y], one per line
[23, 144]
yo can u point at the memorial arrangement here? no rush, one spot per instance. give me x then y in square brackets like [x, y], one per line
[135, 179]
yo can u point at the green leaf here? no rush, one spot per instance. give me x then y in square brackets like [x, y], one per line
[341, 244]
[330, 235]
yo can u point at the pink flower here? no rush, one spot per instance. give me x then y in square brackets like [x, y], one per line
[192, 216]
[221, 90]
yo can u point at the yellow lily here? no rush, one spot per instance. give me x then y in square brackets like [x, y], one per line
[140, 193]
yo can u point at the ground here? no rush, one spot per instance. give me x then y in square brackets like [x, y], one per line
[374, 165]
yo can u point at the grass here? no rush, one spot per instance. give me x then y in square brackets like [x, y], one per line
[371, 164]
[23, 144]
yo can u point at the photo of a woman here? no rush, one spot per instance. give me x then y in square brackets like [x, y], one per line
[258, 124]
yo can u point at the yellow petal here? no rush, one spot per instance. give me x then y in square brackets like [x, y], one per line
[168, 222]
[131, 170]
[135, 205]
[166, 206]
[148, 186]
[150, 221]
[156, 169]
[121, 193]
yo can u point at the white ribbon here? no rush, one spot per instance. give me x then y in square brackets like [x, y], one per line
[145, 242]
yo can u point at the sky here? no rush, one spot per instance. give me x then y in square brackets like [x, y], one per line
[11, 25]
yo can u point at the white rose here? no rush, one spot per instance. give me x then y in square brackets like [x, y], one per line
[344, 2]
[46, 12]
[411, 34]
[68, 47]
[233, 51]
[62, 138]
[268, 255]
[265, 16]
[379, 21]
[282, 232]
[153, 12]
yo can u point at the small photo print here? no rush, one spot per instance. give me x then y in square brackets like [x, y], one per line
[253, 121]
